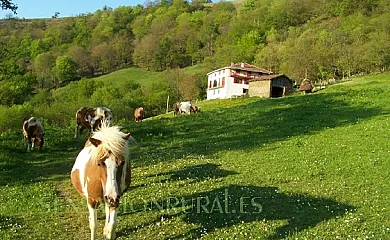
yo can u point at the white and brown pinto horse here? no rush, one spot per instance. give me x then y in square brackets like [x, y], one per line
[102, 173]
[91, 118]
[33, 133]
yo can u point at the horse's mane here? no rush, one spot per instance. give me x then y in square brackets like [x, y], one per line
[111, 140]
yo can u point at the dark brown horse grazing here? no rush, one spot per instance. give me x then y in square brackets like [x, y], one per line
[139, 114]
[176, 107]
[194, 108]
[91, 118]
[101, 174]
[33, 133]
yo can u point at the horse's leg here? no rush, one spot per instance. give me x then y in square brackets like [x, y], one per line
[41, 144]
[81, 129]
[92, 221]
[92, 125]
[76, 131]
[107, 208]
[109, 227]
[28, 141]
[33, 143]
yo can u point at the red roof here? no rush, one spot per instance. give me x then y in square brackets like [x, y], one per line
[245, 67]
[249, 67]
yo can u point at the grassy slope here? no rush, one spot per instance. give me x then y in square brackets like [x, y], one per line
[317, 164]
[137, 75]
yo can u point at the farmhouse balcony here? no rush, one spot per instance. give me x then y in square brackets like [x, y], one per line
[216, 87]
[242, 75]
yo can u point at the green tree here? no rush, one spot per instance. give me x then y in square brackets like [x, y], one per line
[36, 47]
[8, 4]
[83, 28]
[43, 69]
[17, 90]
[64, 69]
[299, 58]
[86, 88]
[144, 51]
[122, 44]
[82, 60]
[103, 57]
[105, 96]
[269, 57]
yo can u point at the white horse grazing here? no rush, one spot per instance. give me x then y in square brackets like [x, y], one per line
[102, 173]
[185, 107]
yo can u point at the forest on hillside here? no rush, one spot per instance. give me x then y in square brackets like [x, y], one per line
[317, 39]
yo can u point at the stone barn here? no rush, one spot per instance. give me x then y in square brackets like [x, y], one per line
[270, 86]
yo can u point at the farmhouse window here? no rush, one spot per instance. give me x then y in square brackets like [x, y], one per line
[210, 84]
[236, 80]
[223, 81]
[246, 82]
[215, 83]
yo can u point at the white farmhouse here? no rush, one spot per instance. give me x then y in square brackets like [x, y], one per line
[233, 80]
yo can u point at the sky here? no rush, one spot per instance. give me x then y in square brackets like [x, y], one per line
[67, 8]
[47, 8]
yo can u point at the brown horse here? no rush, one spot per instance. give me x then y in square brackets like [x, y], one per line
[102, 173]
[91, 118]
[194, 109]
[139, 114]
[176, 107]
[33, 133]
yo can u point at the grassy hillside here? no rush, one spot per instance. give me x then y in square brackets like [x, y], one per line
[300, 167]
[138, 75]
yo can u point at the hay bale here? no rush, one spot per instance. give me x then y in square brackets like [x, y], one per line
[306, 86]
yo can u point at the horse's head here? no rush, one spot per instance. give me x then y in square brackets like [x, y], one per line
[108, 116]
[111, 155]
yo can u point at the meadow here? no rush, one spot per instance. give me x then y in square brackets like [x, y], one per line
[310, 166]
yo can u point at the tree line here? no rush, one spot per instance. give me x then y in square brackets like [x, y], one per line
[315, 39]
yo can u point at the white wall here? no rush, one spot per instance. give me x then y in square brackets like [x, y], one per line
[235, 89]
[230, 89]
[219, 91]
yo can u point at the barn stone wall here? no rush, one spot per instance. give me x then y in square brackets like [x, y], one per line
[260, 89]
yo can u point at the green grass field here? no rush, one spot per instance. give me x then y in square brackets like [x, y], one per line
[301, 167]
[137, 75]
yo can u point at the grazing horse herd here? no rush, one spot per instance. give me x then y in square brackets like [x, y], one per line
[101, 172]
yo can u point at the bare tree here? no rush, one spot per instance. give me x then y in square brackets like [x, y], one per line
[9, 15]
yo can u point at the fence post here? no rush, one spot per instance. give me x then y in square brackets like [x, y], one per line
[167, 104]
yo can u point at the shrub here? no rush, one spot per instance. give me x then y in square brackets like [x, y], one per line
[11, 118]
